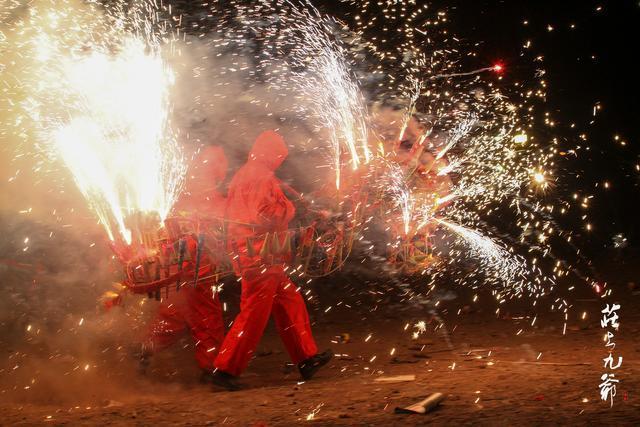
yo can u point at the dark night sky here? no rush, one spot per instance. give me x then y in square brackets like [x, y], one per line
[591, 63]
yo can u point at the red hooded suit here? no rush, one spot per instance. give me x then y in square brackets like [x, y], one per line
[256, 205]
[197, 309]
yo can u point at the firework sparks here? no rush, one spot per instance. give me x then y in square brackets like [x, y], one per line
[402, 195]
[415, 94]
[115, 145]
[457, 133]
[98, 100]
[329, 86]
[498, 263]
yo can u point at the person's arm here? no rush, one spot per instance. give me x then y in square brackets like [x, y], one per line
[274, 209]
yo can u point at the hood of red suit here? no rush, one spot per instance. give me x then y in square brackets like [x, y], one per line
[269, 150]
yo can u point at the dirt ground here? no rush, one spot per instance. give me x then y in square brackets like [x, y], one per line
[490, 372]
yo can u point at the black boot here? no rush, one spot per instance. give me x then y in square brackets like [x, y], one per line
[225, 380]
[309, 367]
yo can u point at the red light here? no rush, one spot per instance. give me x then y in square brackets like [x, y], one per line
[498, 68]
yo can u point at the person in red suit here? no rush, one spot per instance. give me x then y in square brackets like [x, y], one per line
[196, 309]
[257, 205]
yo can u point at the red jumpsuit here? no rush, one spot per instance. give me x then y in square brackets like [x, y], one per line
[197, 309]
[255, 197]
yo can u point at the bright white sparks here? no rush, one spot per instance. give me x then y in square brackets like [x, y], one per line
[97, 95]
[117, 144]
[499, 264]
[329, 87]
[457, 133]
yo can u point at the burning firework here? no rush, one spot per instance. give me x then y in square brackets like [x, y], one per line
[96, 95]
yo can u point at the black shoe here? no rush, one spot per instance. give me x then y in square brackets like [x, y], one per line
[309, 367]
[227, 381]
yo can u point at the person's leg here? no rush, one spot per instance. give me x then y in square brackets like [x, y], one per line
[164, 329]
[247, 329]
[204, 317]
[292, 320]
